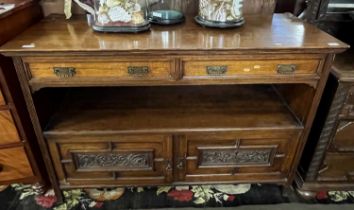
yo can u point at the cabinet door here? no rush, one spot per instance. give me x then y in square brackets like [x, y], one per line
[242, 156]
[112, 160]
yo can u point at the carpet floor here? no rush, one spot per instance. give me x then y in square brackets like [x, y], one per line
[256, 196]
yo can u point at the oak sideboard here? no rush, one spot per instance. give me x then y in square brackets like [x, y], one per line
[176, 105]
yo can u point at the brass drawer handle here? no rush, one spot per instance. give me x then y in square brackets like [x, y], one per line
[138, 70]
[286, 68]
[216, 70]
[64, 72]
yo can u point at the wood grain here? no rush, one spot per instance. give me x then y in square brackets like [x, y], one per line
[171, 70]
[195, 68]
[254, 115]
[2, 100]
[334, 172]
[158, 70]
[63, 151]
[277, 33]
[343, 139]
[14, 164]
[8, 130]
[281, 146]
[172, 109]
[348, 108]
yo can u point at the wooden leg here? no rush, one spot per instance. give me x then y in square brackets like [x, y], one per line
[59, 195]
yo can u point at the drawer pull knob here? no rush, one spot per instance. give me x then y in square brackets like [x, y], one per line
[216, 70]
[64, 72]
[286, 68]
[138, 70]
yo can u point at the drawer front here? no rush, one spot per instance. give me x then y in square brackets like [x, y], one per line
[242, 157]
[337, 167]
[344, 138]
[14, 164]
[2, 99]
[348, 108]
[8, 131]
[101, 70]
[238, 68]
[115, 160]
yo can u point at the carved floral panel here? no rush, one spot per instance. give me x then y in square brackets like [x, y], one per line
[234, 157]
[114, 160]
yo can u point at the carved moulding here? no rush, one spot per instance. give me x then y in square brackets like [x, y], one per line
[235, 157]
[113, 160]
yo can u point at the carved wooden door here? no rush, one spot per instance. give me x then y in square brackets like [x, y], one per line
[246, 156]
[112, 160]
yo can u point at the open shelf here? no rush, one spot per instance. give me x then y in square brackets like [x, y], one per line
[171, 109]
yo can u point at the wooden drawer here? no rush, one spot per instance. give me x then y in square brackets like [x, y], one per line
[337, 167]
[231, 68]
[8, 130]
[242, 156]
[112, 160]
[68, 70]
[2, 100]
[14, 164]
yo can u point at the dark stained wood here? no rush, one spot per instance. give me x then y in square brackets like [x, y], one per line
[15, 21]
[343, 67]
[348, 108]
[177, 98]
[172, 109]
[2, 99]
[277, 33]
[343, 141]
[332, 136]
[334, 172]
[18, 146]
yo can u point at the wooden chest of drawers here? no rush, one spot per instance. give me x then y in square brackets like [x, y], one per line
[332, 165]
[169, 107]
[20, 159]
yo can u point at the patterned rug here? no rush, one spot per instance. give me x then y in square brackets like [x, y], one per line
[22, 197]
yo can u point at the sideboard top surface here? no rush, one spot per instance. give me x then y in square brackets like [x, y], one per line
[273, 33]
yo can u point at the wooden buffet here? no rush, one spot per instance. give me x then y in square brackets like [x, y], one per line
[176, 105]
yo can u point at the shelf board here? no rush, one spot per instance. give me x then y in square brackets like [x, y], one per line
[171, 109]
